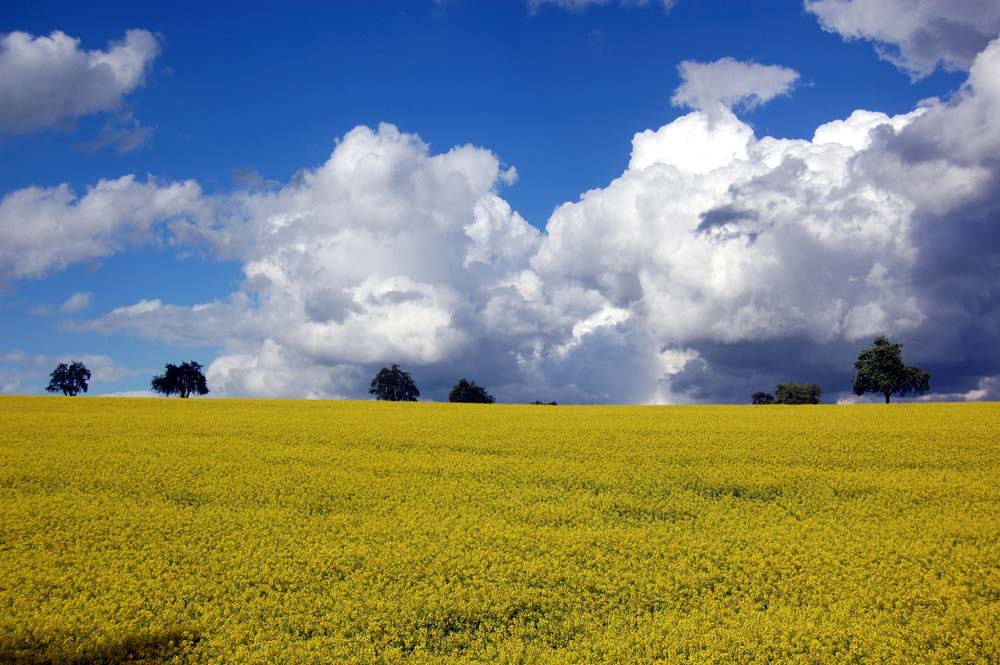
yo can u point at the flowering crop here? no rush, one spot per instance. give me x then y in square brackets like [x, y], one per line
[223, 531]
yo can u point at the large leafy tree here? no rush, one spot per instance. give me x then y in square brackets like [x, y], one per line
[880, 369]
[797, 393]
[185, 380]
[70, 379]
[470, 392]
[394, 385]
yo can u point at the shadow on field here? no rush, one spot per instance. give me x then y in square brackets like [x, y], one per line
[65, 650]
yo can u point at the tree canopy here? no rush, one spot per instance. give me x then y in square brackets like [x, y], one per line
[69, 379]
[797, 393]
[185, 380]
[394, 385]
[880, 369]
[470, 392]
[762, 398]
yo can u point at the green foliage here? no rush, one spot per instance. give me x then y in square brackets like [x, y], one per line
[797, 393]
[880, 369]
[469, 392]
[394, 385]
[762, 398]
[185, 380]
[69, 379]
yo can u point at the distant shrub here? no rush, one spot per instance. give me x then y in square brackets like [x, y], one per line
[470, 392]
[797, 393]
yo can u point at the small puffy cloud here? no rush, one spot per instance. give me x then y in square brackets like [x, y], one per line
[49, 81]
[43, 230]
[917, 36]
[731, 84]
[77, 302]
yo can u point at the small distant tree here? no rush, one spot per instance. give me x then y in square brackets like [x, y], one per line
[762, 398]
[880, 369]
[469, 392]
[70, 379]
[541, 403]
[797, 393]
[392, 384]
[185, 380]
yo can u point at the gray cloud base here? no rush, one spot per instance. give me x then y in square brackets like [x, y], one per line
[917, 36]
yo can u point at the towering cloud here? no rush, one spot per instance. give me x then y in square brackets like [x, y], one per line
[48, 81]
[385, 252]
[718, 263]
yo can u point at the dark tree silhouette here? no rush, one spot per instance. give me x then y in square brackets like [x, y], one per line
[69, 379]
[797, 393]
[762, 398]
[185, 380]
[880, 369]
[394, 385]
[468, 391]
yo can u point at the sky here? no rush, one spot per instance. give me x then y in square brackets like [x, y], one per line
[574, 200]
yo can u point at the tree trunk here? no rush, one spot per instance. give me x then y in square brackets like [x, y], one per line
[886, 397]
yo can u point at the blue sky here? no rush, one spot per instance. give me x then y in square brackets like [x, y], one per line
[243, 101]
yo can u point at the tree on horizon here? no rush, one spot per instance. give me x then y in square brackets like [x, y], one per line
[880, 369]
[394, 385]
[790, 392]
[184, 380]
[470, 392]
[70, 379]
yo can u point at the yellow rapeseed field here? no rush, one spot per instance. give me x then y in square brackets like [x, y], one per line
[231, 531]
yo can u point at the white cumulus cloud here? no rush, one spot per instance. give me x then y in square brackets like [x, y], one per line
[917, 36]
[717, 264]
[46, 229]
[48, 81]
[730, 83]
